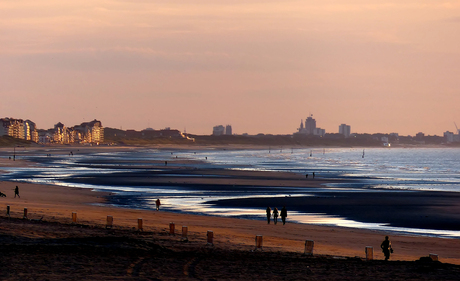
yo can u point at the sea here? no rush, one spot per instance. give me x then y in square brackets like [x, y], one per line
[416, 169]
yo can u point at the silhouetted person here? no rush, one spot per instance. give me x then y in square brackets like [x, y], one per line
[283, 215]
[16, 192]
[275, 215]
[386, 248]
[269, 214]
[158, 203]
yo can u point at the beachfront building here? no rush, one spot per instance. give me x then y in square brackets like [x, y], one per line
[86, 133]
[60, 134]
[345, 130]
[218, 130]
[30, 131]
[12, 127]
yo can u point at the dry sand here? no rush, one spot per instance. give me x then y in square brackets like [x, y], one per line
[56, 204]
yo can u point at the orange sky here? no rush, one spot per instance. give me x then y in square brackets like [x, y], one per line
[261, 66]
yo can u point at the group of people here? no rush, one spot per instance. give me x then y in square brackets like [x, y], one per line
[283, 215]
[385, 245]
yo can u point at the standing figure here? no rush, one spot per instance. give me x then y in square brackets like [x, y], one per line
[386, 248]
[16, 192]
[283, 215]
[275, 215]
[269, 214]
[158, 203]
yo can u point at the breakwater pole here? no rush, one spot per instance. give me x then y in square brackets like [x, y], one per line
[172, 228]
[309, 244]
[109, 222]
[210, 238]
[369, 253]
[140, 225]
[184, 233]
[259, 242]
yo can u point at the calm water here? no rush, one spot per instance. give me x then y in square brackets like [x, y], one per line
[435, 169]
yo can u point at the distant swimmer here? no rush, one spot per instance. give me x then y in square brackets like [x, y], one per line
[269, 214]
[386, 248]
[158, 203]
[283, 214]
[275, 215]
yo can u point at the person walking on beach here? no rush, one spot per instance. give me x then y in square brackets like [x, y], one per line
[275, 215]
[283, 215]
[16, 192]
[386, 248]
[269, 214]
[158, 203]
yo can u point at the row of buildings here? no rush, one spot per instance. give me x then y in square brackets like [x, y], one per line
[85, 133]
[220, 130]
[310, 128]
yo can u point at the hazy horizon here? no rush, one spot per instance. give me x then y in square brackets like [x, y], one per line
[258, 66]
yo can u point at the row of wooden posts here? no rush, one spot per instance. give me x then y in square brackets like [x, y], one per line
[309, 244]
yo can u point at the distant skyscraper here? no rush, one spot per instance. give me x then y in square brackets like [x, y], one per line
[344, 130]
[228, 130]
[310, 125]
[218, 130]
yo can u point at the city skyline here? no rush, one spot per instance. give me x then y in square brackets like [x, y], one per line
[379, 67]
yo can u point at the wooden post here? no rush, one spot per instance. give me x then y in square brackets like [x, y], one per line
[139, 225]
[109, 222]
[74, 217]
[25, 213]
[259, 241]
[434, 257]
[369, 253]
[184, 233]
[8, 210]
[309, 244]
[172, 228]
[210, 236]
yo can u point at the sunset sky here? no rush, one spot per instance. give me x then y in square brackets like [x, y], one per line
[261, 66]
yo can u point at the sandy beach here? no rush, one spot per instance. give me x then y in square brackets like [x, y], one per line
[50, 211]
